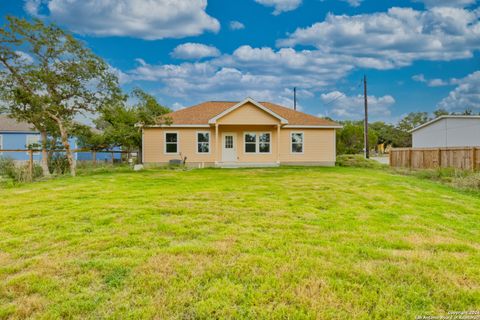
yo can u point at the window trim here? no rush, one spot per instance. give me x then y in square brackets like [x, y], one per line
[197, 142]
[257, 142]
[1, 144]
[291, 142]
[26, 143]
[165, 143]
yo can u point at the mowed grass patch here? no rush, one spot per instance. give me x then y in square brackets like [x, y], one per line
[302, 243]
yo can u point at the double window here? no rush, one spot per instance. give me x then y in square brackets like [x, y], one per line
[203, 142]
[297, 142]
[257, 142]
[171, 142]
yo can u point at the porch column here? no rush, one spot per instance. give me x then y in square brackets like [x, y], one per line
[278, 143]
[216, 143]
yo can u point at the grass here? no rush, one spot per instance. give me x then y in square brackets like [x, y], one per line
[298, 243]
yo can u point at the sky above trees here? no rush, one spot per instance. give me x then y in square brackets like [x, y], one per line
[418, 55]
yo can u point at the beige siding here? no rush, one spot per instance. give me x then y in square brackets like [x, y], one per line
[154, 148]
[319, 145]
[248, 113]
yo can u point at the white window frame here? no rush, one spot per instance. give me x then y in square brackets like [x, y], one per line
[303, 142]
[209, 141]
[27, 144]
[165, 142]
[1, 144]
[257, 142]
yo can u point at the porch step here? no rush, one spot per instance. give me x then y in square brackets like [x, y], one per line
[232, 165]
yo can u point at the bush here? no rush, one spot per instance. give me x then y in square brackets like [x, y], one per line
[353, 160]
[13, 173]
[58, 164]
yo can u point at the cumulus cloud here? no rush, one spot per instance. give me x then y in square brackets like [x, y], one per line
[236, 25]
[432, 82]
[447, 3]
[281, 5]
[194, 51]
[351, 107]
[465, 96]
[146, 19]
[394, 38]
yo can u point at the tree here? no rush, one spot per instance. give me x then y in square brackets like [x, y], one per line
[350, 139]
[390, 135]
[440, 112]
[118, 121]
[48, 74]
[413, 120]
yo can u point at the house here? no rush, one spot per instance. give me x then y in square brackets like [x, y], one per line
[15, 135]
[246, 133]
[448, 131]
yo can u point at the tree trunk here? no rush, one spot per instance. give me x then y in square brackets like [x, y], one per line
[44, 162]
[66, 144]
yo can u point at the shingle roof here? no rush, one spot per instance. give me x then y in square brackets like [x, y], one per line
[11, 125]
[201, 113]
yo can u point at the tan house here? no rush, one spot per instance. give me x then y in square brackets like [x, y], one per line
[246, 133]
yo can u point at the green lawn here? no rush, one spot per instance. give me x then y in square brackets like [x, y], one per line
[294, 243]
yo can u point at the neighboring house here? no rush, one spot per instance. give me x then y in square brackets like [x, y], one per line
[448, 131]
[246, 133]
[16, 135]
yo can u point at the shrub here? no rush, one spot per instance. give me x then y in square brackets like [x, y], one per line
[352, 160]
[13, 173]
[58, 164]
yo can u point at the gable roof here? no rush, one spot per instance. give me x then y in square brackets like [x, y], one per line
[208, 112]
[11, 125]
[443, 117]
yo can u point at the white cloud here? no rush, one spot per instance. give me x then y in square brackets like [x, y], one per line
[194, 51]
[236, 25]
[177, 106]
[281, 5]
[353, 3]
[465, 96]
[433, 82]
[352, 107]
[447, 3]
[146, 19]
[395, 38]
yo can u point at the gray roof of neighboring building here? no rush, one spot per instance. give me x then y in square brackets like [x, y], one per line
[443, 117]
[11, 125]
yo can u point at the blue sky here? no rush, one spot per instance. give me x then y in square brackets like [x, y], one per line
[418, 55]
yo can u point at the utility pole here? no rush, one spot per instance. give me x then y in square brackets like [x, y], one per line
[295, 98]
[367, 151]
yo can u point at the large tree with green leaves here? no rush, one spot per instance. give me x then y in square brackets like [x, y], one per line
[119, 121]
[350, 139]
[47, 74]
[413, 120]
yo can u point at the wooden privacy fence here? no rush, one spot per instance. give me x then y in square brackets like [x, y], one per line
[465, 158]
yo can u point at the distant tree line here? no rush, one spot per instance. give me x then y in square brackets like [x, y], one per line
[350, 139]
[48, 78]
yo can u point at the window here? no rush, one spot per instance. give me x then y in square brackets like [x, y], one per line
[257, 142]
[203, 142]
[171, 142]
[297, 142]
[250, 143]
[32, 142]
[1, 143]
[228, 142]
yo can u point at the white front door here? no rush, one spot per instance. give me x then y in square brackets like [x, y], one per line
[229, 147]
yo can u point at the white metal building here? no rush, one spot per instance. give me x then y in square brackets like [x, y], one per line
[448, 131]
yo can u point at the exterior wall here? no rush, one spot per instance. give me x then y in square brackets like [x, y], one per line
[154, 145]
[460, 132]
[319, 145]
[18, 140]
